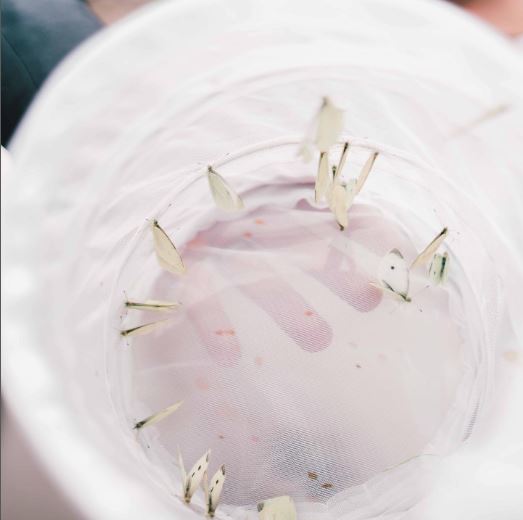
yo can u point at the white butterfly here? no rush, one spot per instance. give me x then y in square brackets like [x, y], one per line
[157, 417]
[152, 305]
[166, 252]
[224, 195]
[439, 268]
[429, 251]
[342, 161]
[340, 199]
[141, 330]
[486, 116]
[279, 508]
[365, 171]
[394, 273]
[192, 480]
[328, 123]
[322, 178]
[213, 490]
[341, 195]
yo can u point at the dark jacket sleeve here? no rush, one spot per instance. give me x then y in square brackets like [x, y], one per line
[36, 35]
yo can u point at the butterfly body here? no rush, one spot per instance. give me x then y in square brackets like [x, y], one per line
[152, 305]
[157, 417]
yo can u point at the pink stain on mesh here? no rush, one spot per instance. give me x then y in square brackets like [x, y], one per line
[346, 282]
[273, 295]
[202, 383]
[281, 301]
[215, 331]
[209, 320]
[265, 233]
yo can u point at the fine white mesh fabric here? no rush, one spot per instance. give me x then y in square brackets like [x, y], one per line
[302, 377]
[288, 362]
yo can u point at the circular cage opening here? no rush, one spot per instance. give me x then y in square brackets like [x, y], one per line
[298, 373]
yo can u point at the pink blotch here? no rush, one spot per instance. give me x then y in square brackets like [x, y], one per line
[511, 356]
[227, 411]
[308, 313]
[208, 320]
[197, 241]
[225, 236]
[258, 360]
[255, 438]
[202, 383]
[222, 346]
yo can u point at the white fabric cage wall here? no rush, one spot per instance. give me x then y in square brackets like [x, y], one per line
[299, 376]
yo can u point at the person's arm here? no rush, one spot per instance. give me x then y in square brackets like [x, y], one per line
[35, 37]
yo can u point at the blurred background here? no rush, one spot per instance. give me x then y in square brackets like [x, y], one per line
[36, 36]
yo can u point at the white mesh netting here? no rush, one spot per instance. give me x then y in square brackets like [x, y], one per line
[301, 377]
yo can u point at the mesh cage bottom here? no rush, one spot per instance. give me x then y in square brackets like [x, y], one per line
[298, 374]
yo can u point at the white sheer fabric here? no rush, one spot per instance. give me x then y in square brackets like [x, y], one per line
[288, 362]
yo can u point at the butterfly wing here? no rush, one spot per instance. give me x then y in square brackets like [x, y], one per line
[339, 205]
[438, 270]
[330, 124]
[166, 252]
[365, 171]
[223, 194]
[183, 473]
[159, 416]
[141, 330]
[215, 490]
[393, 273]
[341, 162]
[195, 476]
[322, 178]
[351, 191]
[152, 305]
[429, 251]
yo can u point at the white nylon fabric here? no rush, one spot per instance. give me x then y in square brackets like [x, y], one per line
[288, 361]
[277, 315]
